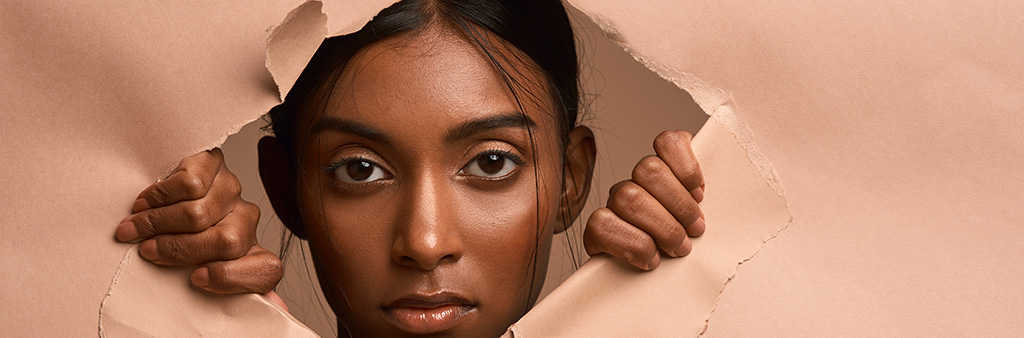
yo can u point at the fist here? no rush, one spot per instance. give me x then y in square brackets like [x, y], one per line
[656, 211]
[196, 216]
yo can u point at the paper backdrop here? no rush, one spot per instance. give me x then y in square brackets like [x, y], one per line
[895, 132]
[890, 130]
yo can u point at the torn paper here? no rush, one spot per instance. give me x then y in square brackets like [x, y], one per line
[894, 127]
[895, 131]
[608, 298]
[291, 44]
[147, 300]
[100, 98]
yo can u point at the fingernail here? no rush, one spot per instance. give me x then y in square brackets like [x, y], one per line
[140, 205]
[655, 262]
[148, 250]
[698, 194]
[126, 232]
[201, 277]
[683, 249]
[697, 228]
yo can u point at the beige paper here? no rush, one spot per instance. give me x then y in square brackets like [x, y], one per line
[895, 129]
[148, 301]
[101, 98]
[608, 298]
[292, 43]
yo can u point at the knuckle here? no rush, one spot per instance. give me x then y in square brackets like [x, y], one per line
[629, 193]
[648, 166]
[174, 250]
[159, 194]
[192, 185]
[144, 225]
[231, 244]
[234, 188]
[252, 212]
[197, 214]
[600, 218]
[615, 187]
[630, 198]
[671, 138]
[597, 226]
[221, 275]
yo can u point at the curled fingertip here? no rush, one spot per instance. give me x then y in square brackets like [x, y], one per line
[201, 277]
[149, 251]
[684, 248]
[698, 194]
[141, 204]
[655, 262]
[126, 232]
[697, 228]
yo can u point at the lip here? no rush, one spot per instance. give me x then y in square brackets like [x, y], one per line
[426, 314]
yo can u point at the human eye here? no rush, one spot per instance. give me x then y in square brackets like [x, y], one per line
[358, 171]
[492, 164]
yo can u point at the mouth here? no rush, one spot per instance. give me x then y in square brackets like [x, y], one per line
[426, 314]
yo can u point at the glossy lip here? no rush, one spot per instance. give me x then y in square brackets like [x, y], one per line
[426, 314]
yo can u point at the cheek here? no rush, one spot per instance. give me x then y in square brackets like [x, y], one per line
[507, 233]
[501, 229]
[350, 239]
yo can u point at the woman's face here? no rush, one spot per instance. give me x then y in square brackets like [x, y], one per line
[426, 204]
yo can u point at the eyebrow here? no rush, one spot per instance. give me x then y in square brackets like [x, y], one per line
[463, 131]
[351, 127]
[473, 127]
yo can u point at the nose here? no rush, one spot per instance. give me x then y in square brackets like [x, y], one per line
[429, 234]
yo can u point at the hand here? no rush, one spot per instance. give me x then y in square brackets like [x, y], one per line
[196, 216]
[655, 210]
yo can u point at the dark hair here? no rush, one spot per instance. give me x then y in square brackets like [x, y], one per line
[537, 29]
[540, 29]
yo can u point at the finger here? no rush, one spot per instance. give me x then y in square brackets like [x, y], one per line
[607, 233]
[256, 272]
[189, 216]
[189, 181]
[674, 148]
[636, 206]
[229, 239]
[655, 177]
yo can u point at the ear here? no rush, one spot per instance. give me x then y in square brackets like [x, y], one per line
[278, 175]
[577, 172]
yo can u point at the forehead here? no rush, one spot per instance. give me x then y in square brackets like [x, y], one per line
[436, 77]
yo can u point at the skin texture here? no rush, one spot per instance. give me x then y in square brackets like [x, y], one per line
[196, 215]
[434, 223]
[388, 186]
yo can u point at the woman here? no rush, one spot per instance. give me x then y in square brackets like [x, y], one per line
[428, 159]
